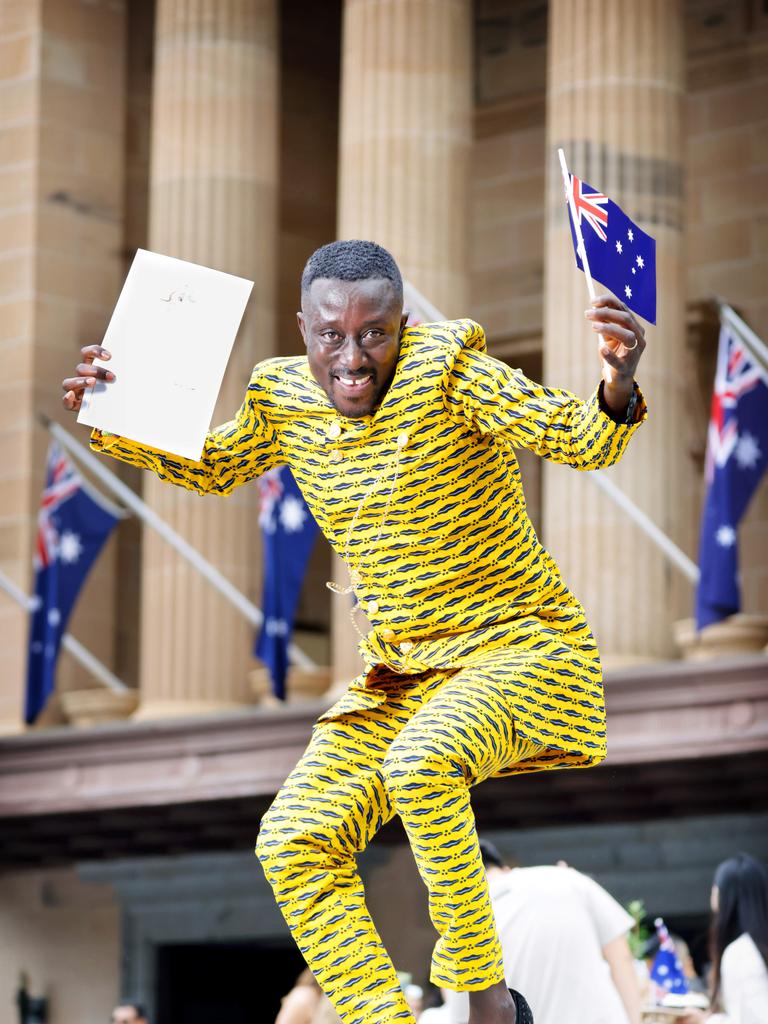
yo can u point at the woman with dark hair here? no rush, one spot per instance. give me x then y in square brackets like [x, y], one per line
[739, 942]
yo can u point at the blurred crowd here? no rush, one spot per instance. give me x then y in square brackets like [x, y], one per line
[573, 951]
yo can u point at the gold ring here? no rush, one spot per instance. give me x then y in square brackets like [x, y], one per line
[631, 348]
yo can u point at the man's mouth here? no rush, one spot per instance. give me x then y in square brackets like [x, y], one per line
[353, 385]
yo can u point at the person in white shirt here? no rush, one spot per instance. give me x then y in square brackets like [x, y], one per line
[564, 940]
[738, 943]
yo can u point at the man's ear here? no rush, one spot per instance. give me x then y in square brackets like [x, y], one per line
[302, 325]
[404, 321]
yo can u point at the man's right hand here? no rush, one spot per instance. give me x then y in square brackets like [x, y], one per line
[87, 375]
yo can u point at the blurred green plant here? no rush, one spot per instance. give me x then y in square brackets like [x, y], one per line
[640, 933]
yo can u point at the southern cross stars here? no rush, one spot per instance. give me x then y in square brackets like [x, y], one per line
[292, 514]
[619, 247]
[747, 451]
[70, 547]
[725, 536]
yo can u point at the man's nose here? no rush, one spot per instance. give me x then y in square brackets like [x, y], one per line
[353, 354]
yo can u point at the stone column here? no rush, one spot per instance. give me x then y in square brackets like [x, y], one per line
[406, 133]
[614, 102]
[62, 96]
[213, 187]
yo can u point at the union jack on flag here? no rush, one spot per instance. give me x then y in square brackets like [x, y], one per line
[737, 458]
[590, 206]
[735, 376]
[62, 480]
[620, 254]
[270, 491]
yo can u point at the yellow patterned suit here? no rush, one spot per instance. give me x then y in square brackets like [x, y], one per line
[480, 661]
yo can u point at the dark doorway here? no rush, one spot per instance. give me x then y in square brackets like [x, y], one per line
[224, 983]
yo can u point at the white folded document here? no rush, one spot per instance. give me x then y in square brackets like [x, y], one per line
[170, 337]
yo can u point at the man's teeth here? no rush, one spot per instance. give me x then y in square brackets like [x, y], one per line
[354, 382]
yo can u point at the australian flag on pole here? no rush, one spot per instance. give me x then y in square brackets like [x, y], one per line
[666, 971]
[289, 532]
[72, 525]
[737, 458]
[621, 255]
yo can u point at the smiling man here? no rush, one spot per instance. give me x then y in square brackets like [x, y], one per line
[480, 661]
[354, 377]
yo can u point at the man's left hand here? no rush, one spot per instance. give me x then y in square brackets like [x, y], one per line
[622, 341]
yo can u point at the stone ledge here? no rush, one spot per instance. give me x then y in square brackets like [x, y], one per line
[657, 713]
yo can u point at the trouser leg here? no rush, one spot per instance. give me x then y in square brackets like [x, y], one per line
[329, 808]
[464, 734]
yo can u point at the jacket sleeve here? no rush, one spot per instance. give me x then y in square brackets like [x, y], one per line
[492, 398]
[234, 453]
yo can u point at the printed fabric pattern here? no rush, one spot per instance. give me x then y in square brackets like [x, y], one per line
[424, 501]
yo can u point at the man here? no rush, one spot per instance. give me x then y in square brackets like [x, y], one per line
[480, 661]
[129, 1013]
[564, 940]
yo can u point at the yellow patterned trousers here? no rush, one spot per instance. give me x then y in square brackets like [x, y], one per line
[415, 755]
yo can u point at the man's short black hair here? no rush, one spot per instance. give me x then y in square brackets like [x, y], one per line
[352, 260]
[490, 854]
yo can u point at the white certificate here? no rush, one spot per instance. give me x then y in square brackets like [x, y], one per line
[170, 337]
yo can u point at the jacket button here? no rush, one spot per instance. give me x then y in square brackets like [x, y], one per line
[372, 607]
[335, 455]
[388, 635]
[334, 430]
[406, 646]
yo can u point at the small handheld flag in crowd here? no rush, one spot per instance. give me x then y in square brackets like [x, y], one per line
[666, 971]
[73, 524]
[289, 532]
[610, 247]
[737, 458]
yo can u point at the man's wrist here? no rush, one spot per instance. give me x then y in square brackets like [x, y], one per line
[619, 399]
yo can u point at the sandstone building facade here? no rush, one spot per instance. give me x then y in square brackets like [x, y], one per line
[242, 134]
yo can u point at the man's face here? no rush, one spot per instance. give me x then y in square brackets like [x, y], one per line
[352, 333]
[126, 1015]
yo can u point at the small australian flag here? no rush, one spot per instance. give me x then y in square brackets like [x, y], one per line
[621, 255]
[289, 532]
[72, 525]
[666, 971]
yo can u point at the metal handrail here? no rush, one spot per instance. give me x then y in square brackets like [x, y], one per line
[78, 651]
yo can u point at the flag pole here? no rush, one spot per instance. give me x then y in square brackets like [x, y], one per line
[757, 348]
[80, 653]
[576, 223]
[579, 238]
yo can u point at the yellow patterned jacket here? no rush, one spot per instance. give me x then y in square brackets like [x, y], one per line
[423, 498]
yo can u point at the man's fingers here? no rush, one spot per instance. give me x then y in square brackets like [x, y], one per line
[608, 307]
[78, 384]
[88, 375]
[620, 335]
[611, 315]
[609, 355]
[91, 352]
[99, 372]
